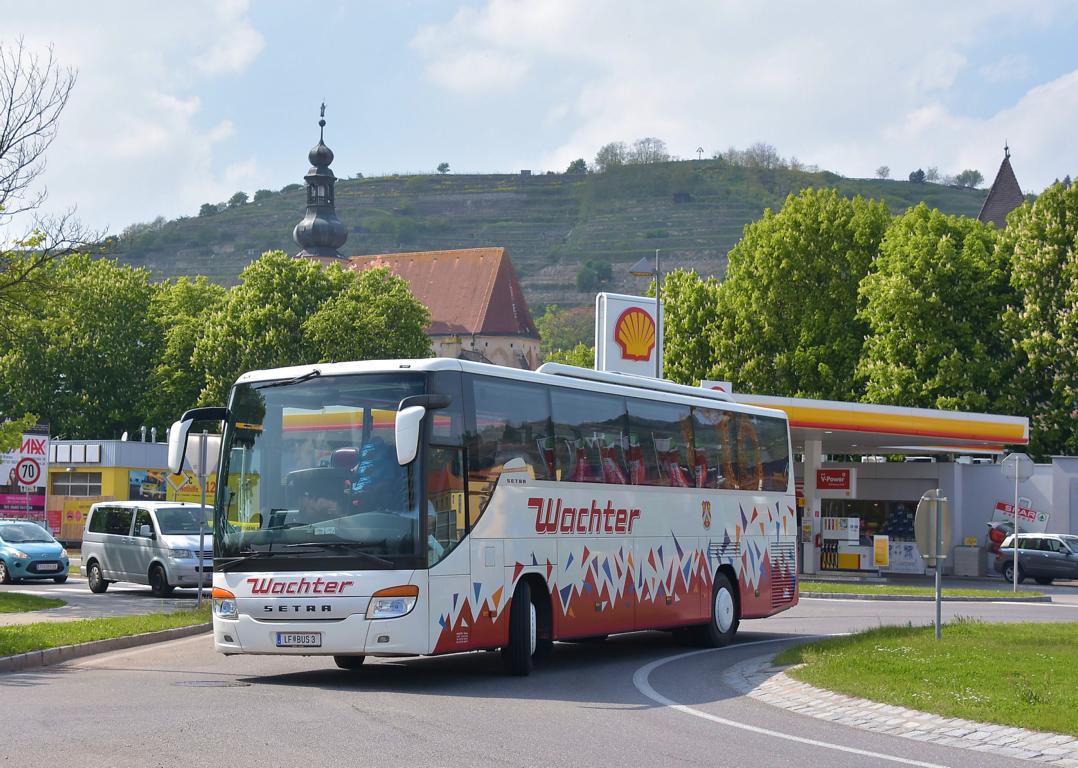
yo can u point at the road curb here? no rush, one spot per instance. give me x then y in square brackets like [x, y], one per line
[759, 679]
[48, 656]
[924, 598]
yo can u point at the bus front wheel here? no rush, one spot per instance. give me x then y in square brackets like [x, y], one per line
[721, 629]
[349, 662]
[523, 630]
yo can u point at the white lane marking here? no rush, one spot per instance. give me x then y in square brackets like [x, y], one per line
[640, 681]
[105, 658]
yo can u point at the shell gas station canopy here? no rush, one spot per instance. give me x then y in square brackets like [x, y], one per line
[860, 428]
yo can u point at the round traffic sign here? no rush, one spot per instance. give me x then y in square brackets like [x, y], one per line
[28, 471]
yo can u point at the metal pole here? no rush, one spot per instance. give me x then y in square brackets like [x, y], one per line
[201, 513]
[1014, 541]
[939, 568]
[658, 316]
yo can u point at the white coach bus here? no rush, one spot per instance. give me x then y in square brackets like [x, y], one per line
[398, 508]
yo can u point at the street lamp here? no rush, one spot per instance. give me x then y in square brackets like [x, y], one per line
[643, 269]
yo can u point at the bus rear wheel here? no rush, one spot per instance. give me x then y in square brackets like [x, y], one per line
[517, 656]
[721, 629]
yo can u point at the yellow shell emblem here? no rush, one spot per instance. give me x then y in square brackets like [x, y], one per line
[635, 334]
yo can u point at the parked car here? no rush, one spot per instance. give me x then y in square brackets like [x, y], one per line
[146, 542]
[1041, 556]
[28, 551]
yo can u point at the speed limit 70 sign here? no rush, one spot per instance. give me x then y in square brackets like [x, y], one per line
[28, 471]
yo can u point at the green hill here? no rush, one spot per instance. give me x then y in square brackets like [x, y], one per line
[694, 211]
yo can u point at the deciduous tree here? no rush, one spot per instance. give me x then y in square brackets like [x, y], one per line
[260, 323]
[577, 166]
[1041, 244]
[933, 304]
[690, 319]
[375, 317]
[610, 156]
[81, 359]
[788, 307]
[969, 178]
[561, 329]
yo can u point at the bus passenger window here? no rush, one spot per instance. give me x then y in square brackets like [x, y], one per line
[660, 444]
[775, 452]
[592, 438]
[750, 457]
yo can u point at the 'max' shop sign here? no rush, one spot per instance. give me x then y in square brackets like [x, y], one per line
[628, 338]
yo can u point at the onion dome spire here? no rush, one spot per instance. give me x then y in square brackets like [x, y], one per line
[320, 233]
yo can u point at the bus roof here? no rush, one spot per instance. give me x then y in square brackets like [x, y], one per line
[565, 376]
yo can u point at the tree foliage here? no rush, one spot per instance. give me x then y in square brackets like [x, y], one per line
[582, 356]
[787, 309]
[262, 194]
[610, 156]
[562, 329]
[207, 209]
[969, 178]
[648, 150]
[917, 177]
[443, 168]
[260, 324]
[237, 200]
[933, 304]
[374, 317]
[577, 166]
[593, 274]
[691, 323]
[1041, 244]
[883, 172]
[180, 311]
[81, 359]
[11, 431]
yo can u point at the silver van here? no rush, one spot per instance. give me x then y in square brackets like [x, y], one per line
[146, 542]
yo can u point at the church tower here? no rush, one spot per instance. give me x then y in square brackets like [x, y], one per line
[320, 233]
[1004, 196]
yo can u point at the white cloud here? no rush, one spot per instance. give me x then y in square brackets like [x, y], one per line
[132, 142]
[847, 85]
[1007, 69]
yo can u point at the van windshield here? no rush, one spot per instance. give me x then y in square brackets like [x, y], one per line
[180, 520]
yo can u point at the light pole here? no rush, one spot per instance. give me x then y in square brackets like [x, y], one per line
[642, 269]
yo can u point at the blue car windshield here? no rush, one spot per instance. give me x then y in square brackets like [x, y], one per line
[24, 533]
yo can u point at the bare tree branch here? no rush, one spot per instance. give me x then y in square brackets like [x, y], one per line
[34, 90]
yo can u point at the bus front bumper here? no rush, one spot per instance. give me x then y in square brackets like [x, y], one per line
[352, 635]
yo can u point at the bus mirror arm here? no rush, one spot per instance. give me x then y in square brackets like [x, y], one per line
[430, 402]
[177, 436]
[406, 432]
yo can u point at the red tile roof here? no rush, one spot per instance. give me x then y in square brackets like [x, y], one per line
[469, 291]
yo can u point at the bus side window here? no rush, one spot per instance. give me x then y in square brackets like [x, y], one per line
[750, 465]
[592, 437]
[775, 450]
[446, 509]
[660, 444]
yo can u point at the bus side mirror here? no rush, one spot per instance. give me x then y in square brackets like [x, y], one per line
[177, 436]
[406, 432]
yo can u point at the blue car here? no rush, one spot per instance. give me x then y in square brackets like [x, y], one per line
[28, 551]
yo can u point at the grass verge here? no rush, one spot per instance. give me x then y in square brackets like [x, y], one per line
[1023, 675]
[36, 637]
[13, 602]
[857, 588]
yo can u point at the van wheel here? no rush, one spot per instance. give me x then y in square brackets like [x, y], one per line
[349, 662]
[5, 574]
[94, 578]
[159, 582]
[721, 629]
[517, 655]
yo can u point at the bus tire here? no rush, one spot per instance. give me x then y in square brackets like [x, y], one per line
[517, 654]
[725, 616]
[350, 663]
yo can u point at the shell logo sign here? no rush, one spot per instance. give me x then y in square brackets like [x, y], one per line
[628, 339]
[634, 332]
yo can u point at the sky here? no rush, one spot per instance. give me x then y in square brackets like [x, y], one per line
[178, 104]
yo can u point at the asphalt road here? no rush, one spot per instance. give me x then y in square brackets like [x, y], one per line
[590, 705]
[121, 599]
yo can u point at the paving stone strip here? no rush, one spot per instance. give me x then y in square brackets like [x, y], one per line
[759, 679]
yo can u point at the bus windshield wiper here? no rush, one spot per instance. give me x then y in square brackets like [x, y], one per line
[342, 545]
[302, 377]
[249, 555]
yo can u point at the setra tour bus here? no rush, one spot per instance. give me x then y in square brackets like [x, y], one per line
[399, 508]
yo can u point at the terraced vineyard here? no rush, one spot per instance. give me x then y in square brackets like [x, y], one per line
[694, 211]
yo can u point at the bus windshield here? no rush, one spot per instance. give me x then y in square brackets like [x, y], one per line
[309, 471]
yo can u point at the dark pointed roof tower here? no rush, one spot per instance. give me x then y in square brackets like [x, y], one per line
[1004, 196]
[320, 233]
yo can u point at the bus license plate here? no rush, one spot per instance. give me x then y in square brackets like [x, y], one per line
[299, 639]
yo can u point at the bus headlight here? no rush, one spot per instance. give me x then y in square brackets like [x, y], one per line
[224, 604]
[392, 603]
